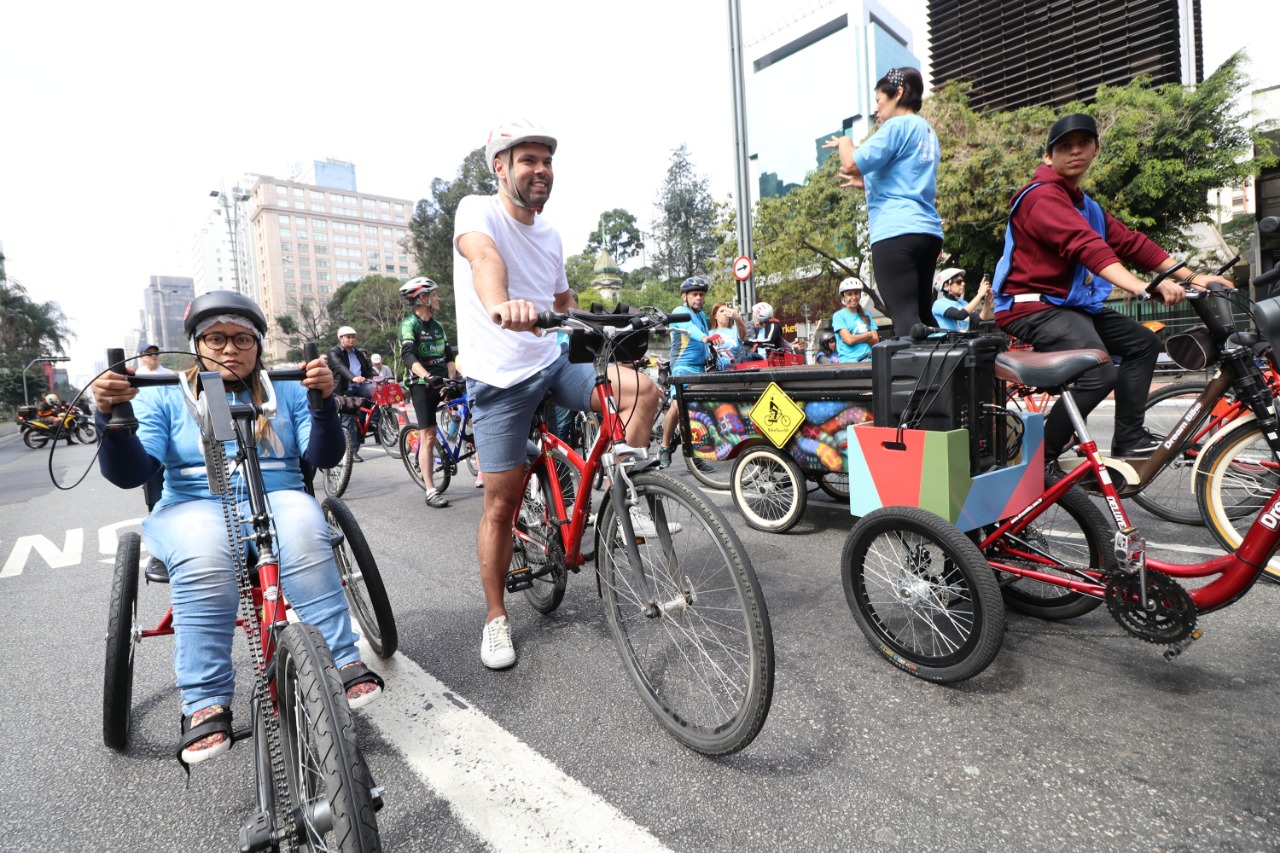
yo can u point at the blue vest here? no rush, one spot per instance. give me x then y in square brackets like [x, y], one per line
[1088, 291]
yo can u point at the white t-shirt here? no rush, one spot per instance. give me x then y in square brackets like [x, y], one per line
[535, 271]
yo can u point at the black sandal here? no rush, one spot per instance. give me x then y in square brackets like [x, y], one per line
[356, 673]
[219, 723]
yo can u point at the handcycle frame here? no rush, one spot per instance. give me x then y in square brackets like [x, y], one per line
[258, 573]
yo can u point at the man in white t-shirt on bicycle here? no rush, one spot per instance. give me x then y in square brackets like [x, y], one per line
[508, 266]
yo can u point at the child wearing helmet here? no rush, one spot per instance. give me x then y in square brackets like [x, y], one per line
[827, 350]
[186, 529]
[855, 330]
[768, 337]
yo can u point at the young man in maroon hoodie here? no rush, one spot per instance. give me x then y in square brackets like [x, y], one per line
[1062, 256]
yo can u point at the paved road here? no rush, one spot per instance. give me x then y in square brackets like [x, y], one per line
[1075, 738]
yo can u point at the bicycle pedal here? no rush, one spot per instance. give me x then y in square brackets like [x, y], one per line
[518, 579]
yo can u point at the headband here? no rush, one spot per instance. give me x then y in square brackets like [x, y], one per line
[895, 77]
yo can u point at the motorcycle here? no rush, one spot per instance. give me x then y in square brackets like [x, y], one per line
[74, 424]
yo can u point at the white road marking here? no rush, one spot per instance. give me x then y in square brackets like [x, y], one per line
[506, 793]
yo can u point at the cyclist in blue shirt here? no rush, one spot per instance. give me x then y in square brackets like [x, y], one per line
[854, 328]
[688, 355]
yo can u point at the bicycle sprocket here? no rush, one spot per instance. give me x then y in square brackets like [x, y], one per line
[1170, 614]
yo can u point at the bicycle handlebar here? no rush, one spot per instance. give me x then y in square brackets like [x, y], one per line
[593, 322]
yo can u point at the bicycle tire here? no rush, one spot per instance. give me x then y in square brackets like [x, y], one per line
[1169, 494]
[544, 556]
[1234, 480]
[768, 489]
[719, 477]
[117, 680]
[330, 787]
[388, 429]
[698, 646]
[1057, 533]
[362, 581]
[336, 478]
[942, 624]
[442, 464]
[836, 486]
[409, 453]
[35, 439]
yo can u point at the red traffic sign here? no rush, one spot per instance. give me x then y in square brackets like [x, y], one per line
[742, 268]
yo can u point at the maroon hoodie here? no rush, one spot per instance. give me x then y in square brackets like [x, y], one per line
[1051, 236]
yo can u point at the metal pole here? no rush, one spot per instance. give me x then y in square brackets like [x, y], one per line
[746, 289]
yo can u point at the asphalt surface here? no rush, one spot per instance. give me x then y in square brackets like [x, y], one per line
[1076, 737]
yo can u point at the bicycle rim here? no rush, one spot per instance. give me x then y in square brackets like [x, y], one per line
[542, 553]
[1235, 480]
[689, 619]
[1169, 494]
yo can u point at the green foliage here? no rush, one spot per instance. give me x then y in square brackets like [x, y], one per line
[580, 270]
[431, 229]
[373, 307]
[686, 218]
[807, 241]
[1164, 149]
[617, 234]
[28, 330]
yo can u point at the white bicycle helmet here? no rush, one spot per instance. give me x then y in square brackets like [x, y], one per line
[507, 136]
[762, 312]
[415, 287]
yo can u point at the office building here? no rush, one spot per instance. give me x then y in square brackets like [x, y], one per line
[165, 303]
[217, 264]
[810, 74]
[1019, 53]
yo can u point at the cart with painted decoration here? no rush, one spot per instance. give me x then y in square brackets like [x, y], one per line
[783, 428]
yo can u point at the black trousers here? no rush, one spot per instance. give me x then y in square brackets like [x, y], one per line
[1057, 329]
[904, 268]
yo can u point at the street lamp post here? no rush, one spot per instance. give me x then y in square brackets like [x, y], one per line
[26, 401]
[231, 212]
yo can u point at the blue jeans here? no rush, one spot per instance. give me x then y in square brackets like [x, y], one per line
[190, 539]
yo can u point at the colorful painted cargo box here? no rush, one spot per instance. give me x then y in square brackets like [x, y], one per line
[804, 410]
[930, 469]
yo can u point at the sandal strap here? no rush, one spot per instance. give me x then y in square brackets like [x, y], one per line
[357, 673]
[219, 723]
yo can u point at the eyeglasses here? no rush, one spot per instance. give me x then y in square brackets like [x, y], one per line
[217, 340]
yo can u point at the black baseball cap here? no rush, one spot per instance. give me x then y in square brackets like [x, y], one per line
[1070, 124]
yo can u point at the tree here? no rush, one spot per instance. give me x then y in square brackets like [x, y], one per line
[617, 234]
[28, 330]
[374, 308]
[686, 218]
[431, 229]
[1164, 148]
[309, 323]
[580, 270]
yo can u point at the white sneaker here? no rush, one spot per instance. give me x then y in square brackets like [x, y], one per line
[496, 651]
[643, 525]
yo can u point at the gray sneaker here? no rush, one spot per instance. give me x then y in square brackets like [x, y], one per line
[664, 457]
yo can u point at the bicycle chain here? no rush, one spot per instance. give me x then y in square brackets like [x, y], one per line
[219, 473]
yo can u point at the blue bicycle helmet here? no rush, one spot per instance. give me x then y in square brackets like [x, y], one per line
[693, 284]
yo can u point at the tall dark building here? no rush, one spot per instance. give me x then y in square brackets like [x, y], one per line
[1018, 53]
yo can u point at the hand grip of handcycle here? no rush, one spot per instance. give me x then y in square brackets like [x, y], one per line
[122, 419]
[310, 352]
[1159, 280]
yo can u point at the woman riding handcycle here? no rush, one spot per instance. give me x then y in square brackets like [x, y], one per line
[204, 506]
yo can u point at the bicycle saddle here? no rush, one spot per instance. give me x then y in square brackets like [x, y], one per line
[1047, 369]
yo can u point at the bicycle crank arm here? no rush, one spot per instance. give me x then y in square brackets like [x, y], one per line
[1182, 645]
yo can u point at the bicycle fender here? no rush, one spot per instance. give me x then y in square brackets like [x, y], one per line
[1244, 418]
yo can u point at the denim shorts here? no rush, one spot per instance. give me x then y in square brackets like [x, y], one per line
[501, 417]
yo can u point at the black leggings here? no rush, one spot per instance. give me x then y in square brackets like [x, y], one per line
[904, 268]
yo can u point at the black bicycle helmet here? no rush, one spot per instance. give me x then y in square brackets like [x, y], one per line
[693, 284]
[217, 302]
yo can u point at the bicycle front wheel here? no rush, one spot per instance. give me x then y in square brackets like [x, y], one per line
[409, 440]
[922, 594]
[1169, 494]
[1234, 481]
[688, 617]
[361, 580]
[330, 788]
[117, 684]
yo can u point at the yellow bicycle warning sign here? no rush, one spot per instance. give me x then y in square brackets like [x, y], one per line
[776, 415]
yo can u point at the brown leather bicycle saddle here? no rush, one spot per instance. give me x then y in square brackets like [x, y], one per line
[1047, 369]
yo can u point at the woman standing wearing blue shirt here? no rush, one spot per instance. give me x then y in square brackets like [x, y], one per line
[898, 168]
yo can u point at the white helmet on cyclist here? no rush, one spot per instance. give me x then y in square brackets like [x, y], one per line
[762, 312]
[346, 330]
[415, 287]
[504, 137]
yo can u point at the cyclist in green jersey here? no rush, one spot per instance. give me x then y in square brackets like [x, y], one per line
[428, 358]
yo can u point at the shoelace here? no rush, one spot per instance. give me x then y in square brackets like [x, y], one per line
[499, 634]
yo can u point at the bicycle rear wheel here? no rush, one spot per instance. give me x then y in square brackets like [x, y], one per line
[331, 803]
[1234, 481]
[409, 438]
[1169, 494]
[117, 682]
[922, 594]
[688, 618]
[337, 477]
[542, 553]
[361, 580]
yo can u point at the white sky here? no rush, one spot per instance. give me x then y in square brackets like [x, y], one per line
[117, 119]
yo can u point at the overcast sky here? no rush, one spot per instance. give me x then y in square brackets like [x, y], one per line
[117, 119]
